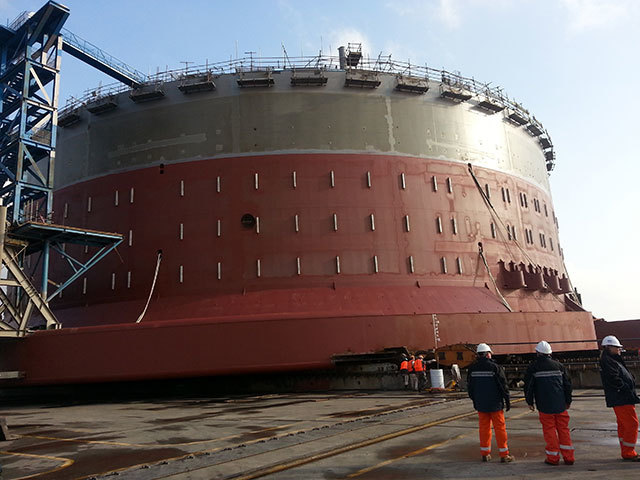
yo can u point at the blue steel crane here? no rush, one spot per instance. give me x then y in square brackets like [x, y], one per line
[30, 49]
[29, 81]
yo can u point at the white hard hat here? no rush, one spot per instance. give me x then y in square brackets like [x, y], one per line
[611, 341]
[483, 348]
[543, 347]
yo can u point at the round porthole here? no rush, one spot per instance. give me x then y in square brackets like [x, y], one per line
[248, 220]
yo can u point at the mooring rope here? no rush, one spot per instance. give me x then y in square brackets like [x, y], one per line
[493, 280]
[153, 286]
[494, 214]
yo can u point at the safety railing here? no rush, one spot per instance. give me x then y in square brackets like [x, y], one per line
[95, 52]
[380, 64]
[20, 20]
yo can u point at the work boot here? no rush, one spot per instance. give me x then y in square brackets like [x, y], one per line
[507, 459]
[632, 459]
[486, 458]
[549, 462]
[569, 462]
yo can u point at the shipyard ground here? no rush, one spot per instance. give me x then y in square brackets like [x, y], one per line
[339, 435]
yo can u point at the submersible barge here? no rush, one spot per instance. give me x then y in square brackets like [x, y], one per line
[279, 212]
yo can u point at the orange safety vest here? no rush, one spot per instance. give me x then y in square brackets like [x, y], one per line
[419, 366]
[404, 365]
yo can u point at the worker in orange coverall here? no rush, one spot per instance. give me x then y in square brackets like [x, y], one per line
[620, 393]
[421, 374]
[404, 370]
[487, 386]
[547, 384]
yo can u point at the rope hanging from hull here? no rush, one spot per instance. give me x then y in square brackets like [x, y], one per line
[153, 286]
[493, 280]
[495, 216]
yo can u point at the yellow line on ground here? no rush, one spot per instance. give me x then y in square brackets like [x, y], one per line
[520, 415]
[338, 451]
[423, 403]
[179, 457]
[79, 440]
[406, 455]
[67, 462]
[212, 450]
[151, 445]
[424, 449]
[199, 452]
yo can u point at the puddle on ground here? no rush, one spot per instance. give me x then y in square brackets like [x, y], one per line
[95, 461]
[264, 433]
[374, 411]
[163, 421]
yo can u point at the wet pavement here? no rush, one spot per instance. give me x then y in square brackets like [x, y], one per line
[364, 435]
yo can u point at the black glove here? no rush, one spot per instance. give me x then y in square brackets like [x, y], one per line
[507, 405]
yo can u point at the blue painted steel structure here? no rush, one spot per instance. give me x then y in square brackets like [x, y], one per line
[45, 236]
[30, 49]
[29, 79]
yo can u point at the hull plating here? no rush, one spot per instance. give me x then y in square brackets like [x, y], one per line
[298, 224]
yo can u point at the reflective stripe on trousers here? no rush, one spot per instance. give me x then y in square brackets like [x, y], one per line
[485, 419]
[627, 429]
[555, 428]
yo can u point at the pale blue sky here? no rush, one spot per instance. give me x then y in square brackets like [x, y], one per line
[572, 63]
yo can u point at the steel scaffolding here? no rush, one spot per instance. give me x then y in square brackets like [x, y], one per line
[30, 49]
[29, 81]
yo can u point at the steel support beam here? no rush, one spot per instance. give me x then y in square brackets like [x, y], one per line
[29, 84]
[18, 296]
[30, 49]
[100, 60]
[79, 267]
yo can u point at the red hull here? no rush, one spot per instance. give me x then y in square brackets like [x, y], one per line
[173, 349]
[259, 314]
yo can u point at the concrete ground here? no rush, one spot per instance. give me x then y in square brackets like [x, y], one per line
[364, 435]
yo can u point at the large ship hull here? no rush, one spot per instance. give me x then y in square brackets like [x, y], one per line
[242, 345]
[271, 229]
[310, 236]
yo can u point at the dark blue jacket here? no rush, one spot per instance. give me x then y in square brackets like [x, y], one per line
[618, 382]
[487, 386]
[547, 384]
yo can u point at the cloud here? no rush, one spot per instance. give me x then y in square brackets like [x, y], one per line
[293, 16]
[346, 35]
[301, 26]
[448, 11]
[591, 14]
[403, 52]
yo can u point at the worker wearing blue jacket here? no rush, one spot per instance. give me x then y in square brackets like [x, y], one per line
[547, 384]
[487, 386]
[620, 394]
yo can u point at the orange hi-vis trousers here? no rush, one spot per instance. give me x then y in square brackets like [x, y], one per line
[627, 429]
[485, 419]
[555, 428]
